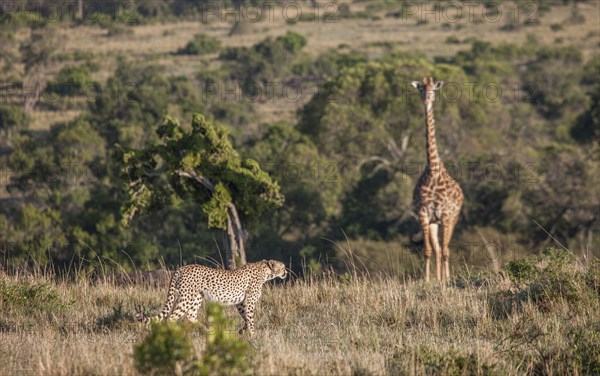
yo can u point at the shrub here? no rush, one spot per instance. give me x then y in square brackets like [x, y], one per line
[11, 117]
[225, 353]
[200, 45]
[166, 349]
[29, 297]
[71, 80]
[292, 42]
[521, 270]
[169, 349]
[452, 40]
[551, 281]
[264, 62]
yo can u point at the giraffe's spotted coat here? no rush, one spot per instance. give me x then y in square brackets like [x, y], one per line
[437, 197]
[191, 284]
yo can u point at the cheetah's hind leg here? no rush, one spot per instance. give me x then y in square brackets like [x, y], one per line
[140, 316]
[192, 313]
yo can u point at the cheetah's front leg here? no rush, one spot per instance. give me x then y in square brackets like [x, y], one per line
[241, 307]
[246, 310]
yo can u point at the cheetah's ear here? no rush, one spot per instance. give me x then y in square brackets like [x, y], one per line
[271, 265]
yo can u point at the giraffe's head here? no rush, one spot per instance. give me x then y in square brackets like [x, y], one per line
[427, 89]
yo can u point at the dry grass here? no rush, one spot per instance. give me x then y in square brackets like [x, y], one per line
[359, 325]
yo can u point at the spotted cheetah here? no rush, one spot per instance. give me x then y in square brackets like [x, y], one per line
[191, 284]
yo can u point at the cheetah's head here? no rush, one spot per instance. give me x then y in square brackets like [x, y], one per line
[275, 269]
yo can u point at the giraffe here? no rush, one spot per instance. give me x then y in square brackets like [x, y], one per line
[437, 196]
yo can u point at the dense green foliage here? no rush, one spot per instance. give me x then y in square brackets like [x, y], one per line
[205, 152]
[72, 81]
[200, 45]
[264, 63]
[166, 349]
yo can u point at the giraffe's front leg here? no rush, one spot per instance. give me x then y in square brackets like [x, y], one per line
[424, 221]
[433, 232]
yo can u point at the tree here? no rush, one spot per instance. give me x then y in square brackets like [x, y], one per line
[200, 165]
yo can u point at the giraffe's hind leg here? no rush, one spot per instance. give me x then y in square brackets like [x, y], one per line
[434, 238]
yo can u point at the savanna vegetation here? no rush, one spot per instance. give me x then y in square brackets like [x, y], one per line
[142, 135]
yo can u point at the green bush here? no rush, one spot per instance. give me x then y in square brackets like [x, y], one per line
[225, 353]
[200, 45]
[452, 40]
[266, 61]
[166, 349]
[169, 349]
[29, 297]
[71, 80]
[521, 270]
[550, 281]
[292, 42]
[11, 117]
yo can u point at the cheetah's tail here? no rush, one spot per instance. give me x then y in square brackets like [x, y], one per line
[171, 295]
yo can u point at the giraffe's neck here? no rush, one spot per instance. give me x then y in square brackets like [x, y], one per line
[433, 159]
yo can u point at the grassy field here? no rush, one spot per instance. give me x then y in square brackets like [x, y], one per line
[540, 316]
[537, 316]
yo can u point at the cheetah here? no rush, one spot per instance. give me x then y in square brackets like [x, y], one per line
[191, 284]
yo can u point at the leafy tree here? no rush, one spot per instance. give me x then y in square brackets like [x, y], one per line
[264, 62]
[309, 181]
[203, 166]
[11, 117]
[135, 100]
[587, 125]
[71, 81]
[292, 42]
[549, 81]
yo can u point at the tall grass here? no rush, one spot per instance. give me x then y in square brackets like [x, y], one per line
[539, 316]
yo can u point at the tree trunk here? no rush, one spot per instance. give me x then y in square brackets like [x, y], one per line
[234, 240]
[80, 10]
[234, 237]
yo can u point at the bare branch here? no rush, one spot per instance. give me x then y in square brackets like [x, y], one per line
[199, 178]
